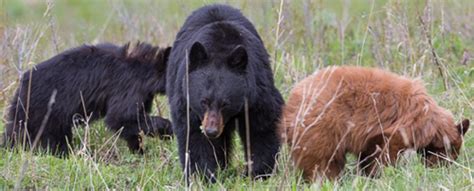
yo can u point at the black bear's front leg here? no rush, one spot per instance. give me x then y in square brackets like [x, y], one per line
[158, 126]
[129, 132]
[264, 145]
[205, 155]
[134, 129]
[134, 122]
[124, 119]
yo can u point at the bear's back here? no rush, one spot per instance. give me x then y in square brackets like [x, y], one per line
[85, 69]
[72, 60]
[367, 80]
[359, 87]
[338, 98]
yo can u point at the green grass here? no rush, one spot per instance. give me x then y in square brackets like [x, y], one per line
[311, 35]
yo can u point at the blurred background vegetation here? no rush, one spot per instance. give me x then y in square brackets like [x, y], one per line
[314, 33]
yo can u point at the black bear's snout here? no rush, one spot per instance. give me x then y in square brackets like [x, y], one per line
[212, 132]
[212, 124]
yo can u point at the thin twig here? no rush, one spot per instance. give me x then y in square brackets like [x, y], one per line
[433, 52]
[186, 160]
[247, 139]
[277, 33]
[24, 167]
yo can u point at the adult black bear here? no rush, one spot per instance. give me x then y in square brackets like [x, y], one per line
[90, 82]
[228, 67]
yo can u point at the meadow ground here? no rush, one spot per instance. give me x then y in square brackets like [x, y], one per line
[431, 40]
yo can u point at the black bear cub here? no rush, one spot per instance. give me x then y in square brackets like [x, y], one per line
[90, 82]
[220, 60]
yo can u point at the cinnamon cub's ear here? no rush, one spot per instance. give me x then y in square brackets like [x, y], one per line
[463, 126]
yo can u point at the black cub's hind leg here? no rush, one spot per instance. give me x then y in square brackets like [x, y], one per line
[56, 140]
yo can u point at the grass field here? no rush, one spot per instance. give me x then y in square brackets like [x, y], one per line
[431, 40]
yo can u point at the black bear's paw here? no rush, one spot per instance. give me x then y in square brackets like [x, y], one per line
[135, 144]
[256, 177]
[160, 127]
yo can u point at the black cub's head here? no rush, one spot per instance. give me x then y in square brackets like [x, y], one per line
[149, 62]
[217, 85]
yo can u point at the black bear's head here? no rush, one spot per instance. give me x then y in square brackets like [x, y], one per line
[217, 85]
[150, 62]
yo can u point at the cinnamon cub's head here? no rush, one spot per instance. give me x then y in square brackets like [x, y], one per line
[445, 146]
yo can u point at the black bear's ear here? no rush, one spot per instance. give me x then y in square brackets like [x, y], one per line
[463, 126]
[238, 58]
[197, 53]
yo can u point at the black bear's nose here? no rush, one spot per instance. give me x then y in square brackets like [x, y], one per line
[212, 132]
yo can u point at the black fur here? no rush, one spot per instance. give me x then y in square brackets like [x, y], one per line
[228, 64]
[114, 82]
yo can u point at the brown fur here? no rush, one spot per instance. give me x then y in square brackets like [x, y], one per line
[370, 113]
[212, 120]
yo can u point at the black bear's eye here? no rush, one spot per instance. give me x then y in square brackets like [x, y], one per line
[205, 102]
[225, 103]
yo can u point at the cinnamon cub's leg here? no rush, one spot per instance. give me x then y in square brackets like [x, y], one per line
[380, 151]
[316, 163]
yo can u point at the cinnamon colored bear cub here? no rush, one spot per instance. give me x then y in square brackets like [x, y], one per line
[371, 113]
[219, 62]
[85, 84]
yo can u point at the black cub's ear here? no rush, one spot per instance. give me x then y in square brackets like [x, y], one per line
[166, 54]
[463, 126]
[238, 58]
[162, 59]
[197, 53]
